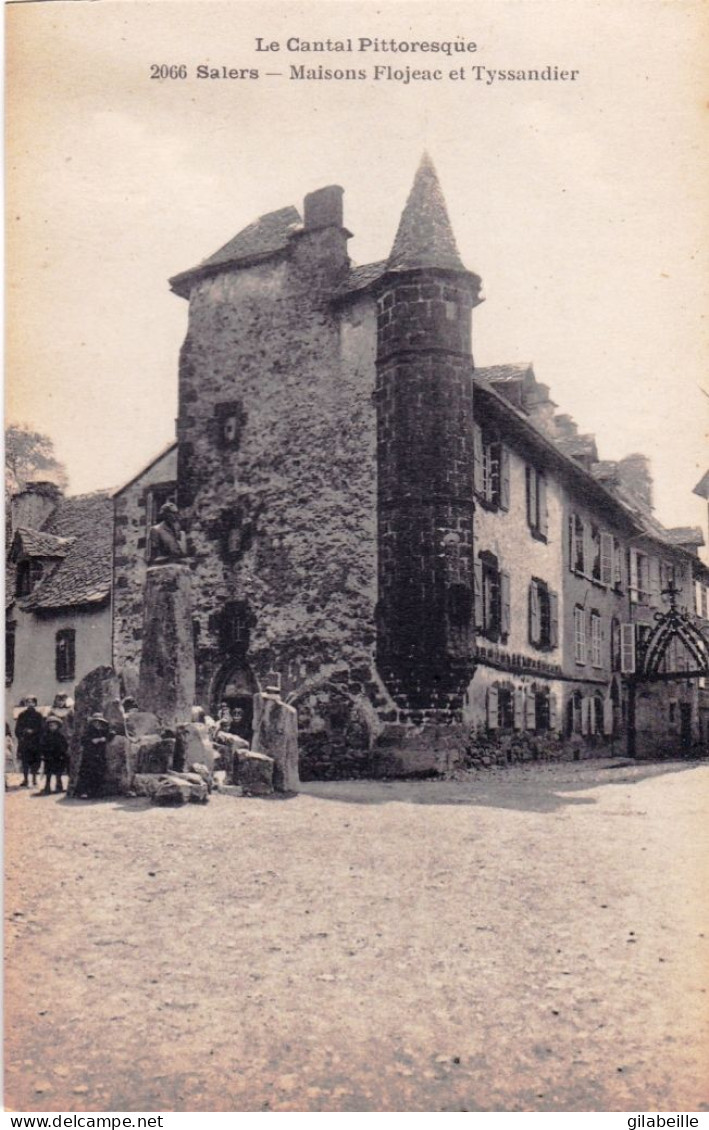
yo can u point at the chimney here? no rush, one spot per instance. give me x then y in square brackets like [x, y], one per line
[635, 478]
[321, 244]
[565, 425]
[323, 208]
[32, 506]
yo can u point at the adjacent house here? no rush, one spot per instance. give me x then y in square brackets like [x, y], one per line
[58, 592]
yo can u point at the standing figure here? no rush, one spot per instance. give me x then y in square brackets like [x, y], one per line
[92, 770]
[53, 747]
[28, 729]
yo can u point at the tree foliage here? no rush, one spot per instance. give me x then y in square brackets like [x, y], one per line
[29, 455]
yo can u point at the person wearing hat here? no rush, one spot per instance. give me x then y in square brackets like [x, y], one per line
[53, 747]
[92, 770]
[28, 729]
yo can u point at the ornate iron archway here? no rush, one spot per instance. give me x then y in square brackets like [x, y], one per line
[653, 653]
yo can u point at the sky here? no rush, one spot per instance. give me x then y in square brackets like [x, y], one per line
[582, 204]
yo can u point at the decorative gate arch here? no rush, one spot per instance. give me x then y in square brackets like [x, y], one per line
[652, 654]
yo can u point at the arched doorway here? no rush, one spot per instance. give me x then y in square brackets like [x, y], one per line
[235, 685]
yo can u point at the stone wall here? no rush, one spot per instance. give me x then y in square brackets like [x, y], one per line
[277, 472]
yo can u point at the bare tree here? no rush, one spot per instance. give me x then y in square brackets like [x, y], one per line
[29, 455]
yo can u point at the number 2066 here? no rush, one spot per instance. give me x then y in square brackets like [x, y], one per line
[168, 70]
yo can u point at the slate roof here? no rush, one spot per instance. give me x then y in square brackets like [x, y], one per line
[264, 237]
[38, 543]
[359, 278]
[425, 236]
[504, 374]
[573, 446]
[84, 527]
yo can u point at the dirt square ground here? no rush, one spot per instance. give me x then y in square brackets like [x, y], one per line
[528, 939]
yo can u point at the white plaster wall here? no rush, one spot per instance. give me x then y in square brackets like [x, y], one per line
[35, 653]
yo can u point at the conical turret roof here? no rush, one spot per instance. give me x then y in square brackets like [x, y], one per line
[425, 236]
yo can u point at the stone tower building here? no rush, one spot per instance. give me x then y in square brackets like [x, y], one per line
[325, 474]
[424, 399]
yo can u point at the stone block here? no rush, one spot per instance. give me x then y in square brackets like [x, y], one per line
[140, 723]
[176, 789]
[276, 735]
[167, 667]
[253, 772]
[154, 754]
[171, 788]
[145, 784]
[120, 767]
[194, 746]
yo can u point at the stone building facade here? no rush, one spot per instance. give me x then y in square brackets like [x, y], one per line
[434, 559]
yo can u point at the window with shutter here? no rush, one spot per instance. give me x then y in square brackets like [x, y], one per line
[534, 627]
[615, 645]
[504, 478]
[65, 654]
[490, 469]
[543, 512]
[537, 515]
[493, 718]
[478, 458]
[617, 564]
[491, 595]
[596, 640]
[627, 649]
[633, 573]
[505, 610]
[579, 545]
[531, 481]
[530, 710]
[607, 559]
[654, 581]
[478, 593]
[519, 708]
[579, 634]
[505, 708]
[586, 716]
[553, 713]
[595, 552]
[553, 619]
[608, 716]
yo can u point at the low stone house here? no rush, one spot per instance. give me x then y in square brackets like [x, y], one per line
[58, 592]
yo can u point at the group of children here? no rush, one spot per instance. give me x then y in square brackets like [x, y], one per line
[42, 740]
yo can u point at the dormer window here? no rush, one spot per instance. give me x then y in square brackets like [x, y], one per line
[29, 574]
